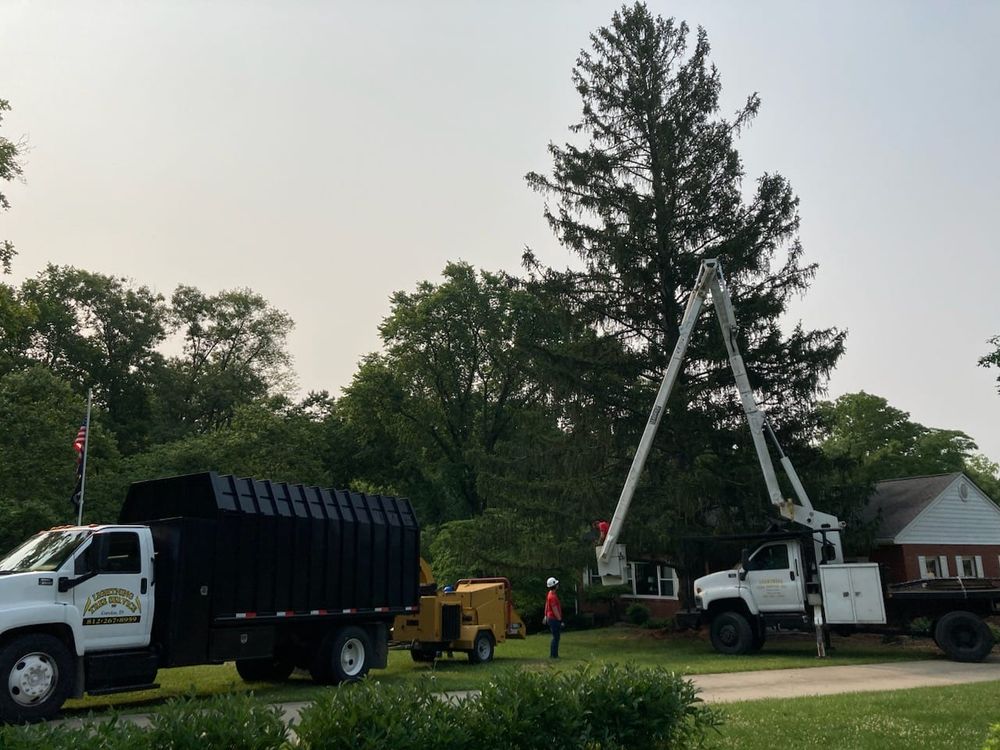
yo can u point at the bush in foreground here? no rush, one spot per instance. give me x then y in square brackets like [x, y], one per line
[600, 709]
[607, 708]
[234, 722]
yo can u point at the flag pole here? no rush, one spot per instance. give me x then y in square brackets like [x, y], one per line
[83, 475]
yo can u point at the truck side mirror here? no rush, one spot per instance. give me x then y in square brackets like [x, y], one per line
[744, 563]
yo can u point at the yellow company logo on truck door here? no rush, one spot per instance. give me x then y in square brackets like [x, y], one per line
[112, 607]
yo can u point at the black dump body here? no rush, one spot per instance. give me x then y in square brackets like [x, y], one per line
[238, 559]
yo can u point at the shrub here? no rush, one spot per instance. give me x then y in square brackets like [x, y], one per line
[642, 709]
[106, 734]
[374, 715]
[921, 626]
[993, 738]
[236, 722]
[607, 708]
[637, 614]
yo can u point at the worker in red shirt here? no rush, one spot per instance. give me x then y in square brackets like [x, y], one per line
[553, 616]
[601, 527]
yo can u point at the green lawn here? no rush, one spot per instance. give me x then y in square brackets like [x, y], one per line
[949, 718]
[686, 653]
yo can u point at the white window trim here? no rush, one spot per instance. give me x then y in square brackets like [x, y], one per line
[589, 579]
[659, 577]
[977, 565]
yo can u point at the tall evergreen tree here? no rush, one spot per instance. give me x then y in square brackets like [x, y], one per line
[656, 187]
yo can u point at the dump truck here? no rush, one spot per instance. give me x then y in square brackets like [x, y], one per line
[471, 617]
[795, 575]
[205, 569]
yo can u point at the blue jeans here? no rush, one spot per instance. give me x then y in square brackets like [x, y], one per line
[555, 627]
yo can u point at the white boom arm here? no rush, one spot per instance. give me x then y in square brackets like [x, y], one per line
[611, 555]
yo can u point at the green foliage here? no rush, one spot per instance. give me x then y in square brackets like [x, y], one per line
[883, 443]
[238, 722]
[610, 596]
[100, 331]
[502, 543]
[459, 369]
[993, 739]
[10, 169]
[611, 707]
[234, 353]
[985, 473]
[637, 614]
[656, 186]
[943, 717]
[40, 415]
[372, 716]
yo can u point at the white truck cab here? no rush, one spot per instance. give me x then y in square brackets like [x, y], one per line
[65, 593]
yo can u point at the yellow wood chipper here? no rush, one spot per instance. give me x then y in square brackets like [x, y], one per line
[473, 617]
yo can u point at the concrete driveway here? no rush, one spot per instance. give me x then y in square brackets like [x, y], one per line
[794, 683]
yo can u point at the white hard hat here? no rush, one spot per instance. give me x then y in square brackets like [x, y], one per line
[552, 582]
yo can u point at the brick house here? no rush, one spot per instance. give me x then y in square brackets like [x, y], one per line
[653, 582]
[937, 526]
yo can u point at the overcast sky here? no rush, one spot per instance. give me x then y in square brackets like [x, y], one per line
[327, 154]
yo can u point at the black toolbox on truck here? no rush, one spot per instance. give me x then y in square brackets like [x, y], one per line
[239, 561]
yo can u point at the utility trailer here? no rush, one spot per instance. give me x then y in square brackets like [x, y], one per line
[204, 569]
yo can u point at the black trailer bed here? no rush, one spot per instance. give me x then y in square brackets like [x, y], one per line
[235, 551]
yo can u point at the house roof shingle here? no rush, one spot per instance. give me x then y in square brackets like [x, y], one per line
[902, 500]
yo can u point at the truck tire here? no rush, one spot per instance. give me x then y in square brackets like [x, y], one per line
[482, 647]
[343, 656]
[731, 633]
[274, 669]
[37, 674]
[963, 636]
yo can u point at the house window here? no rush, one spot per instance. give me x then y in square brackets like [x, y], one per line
[969, 566]
[592, 577]
[650, 579]
[933, 567]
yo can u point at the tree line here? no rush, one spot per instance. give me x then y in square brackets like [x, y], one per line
[506, 407]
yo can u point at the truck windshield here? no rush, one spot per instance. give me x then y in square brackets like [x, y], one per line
[46, 551]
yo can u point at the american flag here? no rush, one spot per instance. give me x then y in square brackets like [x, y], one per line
[79, 443]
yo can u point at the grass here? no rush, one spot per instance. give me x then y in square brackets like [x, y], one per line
[953, 718]
[686, 653]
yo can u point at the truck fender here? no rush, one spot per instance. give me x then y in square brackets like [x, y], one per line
[43, 617]
[742, 602]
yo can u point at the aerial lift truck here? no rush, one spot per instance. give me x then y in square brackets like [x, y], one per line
[797, 577]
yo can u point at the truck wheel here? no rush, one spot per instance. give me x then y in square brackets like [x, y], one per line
[420, 655]
[482, 648]
[38, 673]
[963, 636]
[343, 656]
[731, 633]
[274, 669]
